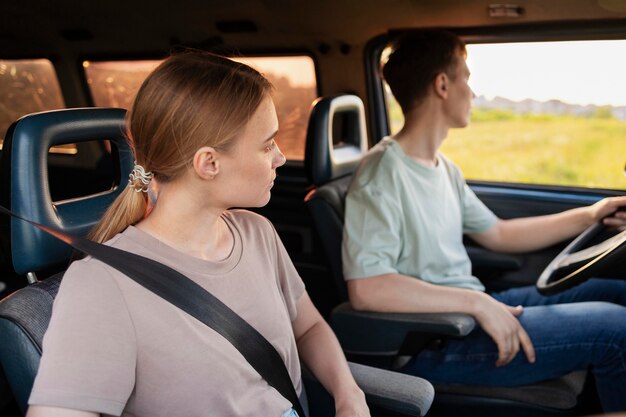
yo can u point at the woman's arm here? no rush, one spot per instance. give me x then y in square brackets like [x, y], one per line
[44, 411]
[320, 351]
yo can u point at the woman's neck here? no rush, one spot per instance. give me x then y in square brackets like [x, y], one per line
[180, 221]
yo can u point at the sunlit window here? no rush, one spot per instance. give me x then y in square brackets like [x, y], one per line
[28, 86]
[549, 113]
[115, 84]
[295, 89]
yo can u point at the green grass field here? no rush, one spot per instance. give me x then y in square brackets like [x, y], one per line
[539, 149]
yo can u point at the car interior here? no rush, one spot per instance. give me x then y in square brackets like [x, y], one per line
[62, 163]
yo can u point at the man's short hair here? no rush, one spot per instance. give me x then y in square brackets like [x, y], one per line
[415, 61]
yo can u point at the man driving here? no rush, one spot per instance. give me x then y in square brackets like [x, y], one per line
[407, 210]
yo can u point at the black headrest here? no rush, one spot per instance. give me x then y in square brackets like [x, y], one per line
[25, 154]
[336, 138]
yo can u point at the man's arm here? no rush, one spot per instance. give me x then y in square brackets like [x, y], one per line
[404, 294]
[532, 233]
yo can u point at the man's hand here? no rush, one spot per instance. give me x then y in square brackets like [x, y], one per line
[607, 209]
[500, 322]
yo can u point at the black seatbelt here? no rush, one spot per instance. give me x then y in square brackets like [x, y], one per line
[185, 294]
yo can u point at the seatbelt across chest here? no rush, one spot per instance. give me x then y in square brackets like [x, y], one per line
[190, 297]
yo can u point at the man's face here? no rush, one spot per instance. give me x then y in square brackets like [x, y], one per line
[460, 95]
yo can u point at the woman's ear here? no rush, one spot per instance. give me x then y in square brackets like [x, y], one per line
[206, 163]
[441, 85]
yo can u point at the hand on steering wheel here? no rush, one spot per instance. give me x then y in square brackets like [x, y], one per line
[575, 265]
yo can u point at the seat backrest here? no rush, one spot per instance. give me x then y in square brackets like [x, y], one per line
[336, 141]
[25, 314]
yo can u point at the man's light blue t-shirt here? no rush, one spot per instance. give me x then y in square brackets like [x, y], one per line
[404, 217]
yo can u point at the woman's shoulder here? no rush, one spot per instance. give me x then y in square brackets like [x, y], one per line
[90, 275]
[253, 228]
[247, 219]
[88, 280]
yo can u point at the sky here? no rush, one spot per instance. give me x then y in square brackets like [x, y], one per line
[582, 72]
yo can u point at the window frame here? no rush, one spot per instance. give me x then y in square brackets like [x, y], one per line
[543, 32]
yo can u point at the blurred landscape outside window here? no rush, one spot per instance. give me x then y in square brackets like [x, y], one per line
[550, 113]
[28, 86]
[115, 84]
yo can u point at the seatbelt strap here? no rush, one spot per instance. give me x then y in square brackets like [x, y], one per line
[190, 297]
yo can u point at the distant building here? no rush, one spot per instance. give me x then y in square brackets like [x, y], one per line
[555, 107]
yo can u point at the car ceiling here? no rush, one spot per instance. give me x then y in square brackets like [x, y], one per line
[46, 28]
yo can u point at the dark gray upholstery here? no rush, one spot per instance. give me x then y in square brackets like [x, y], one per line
[561, 393]
[392, 391]
[377, 334]
[24, 318]
[31, 307]
[369, 333]
[327, 202]
[387, 393]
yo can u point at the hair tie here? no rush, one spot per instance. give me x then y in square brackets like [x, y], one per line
[139, 179]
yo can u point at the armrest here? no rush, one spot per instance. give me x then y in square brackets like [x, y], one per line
[483, 258]
[368, 333]
[387, 393]
[393, 391]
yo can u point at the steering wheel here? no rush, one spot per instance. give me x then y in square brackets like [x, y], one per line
[575, 265]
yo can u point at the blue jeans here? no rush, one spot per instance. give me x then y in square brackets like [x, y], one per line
[583, 327]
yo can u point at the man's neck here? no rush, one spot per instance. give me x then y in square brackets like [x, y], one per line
[422, 134]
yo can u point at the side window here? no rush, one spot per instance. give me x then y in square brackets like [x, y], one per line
[295, 88]
[28, 86]
[115, 83]
[549, 113]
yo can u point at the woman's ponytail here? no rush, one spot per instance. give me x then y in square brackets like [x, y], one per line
[128, 208]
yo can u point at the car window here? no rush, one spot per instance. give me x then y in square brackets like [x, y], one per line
[28, 86]
[115, 84]
[550, 113]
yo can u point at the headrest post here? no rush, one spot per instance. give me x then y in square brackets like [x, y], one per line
[31, 277]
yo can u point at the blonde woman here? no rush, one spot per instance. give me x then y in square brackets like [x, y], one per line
[203, 131]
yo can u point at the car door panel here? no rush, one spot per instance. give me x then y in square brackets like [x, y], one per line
[500, 271]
